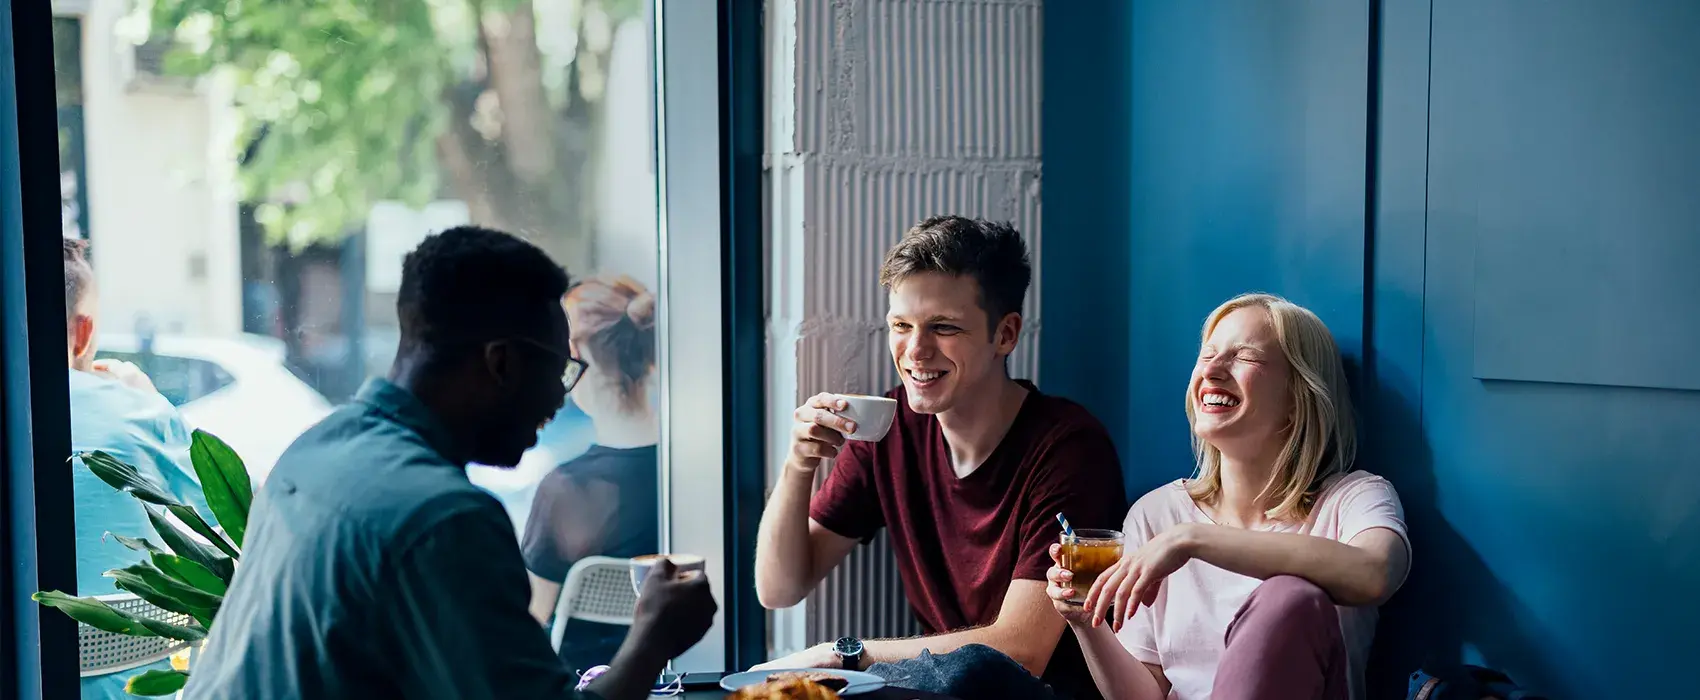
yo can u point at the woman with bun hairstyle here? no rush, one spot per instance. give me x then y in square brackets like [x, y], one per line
[606, 501]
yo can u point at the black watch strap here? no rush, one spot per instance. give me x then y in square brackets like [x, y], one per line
[849, 650]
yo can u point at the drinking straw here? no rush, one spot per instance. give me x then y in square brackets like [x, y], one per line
[1067, 531]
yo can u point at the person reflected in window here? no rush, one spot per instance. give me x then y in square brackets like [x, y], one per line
[606, 501]
[115, 409]
[967, 482]
[1264, 571]
[373, 567]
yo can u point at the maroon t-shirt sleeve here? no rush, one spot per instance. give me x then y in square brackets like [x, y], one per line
[848, 503]
[1080, 477]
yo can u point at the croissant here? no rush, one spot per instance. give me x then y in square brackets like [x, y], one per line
[787, 689]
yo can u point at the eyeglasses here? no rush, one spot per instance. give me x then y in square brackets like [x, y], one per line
[575, 367]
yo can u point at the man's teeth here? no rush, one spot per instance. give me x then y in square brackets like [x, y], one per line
[1220, 400]
[924, 376]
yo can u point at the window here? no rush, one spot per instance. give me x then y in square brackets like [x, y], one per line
[180, 380]
[248, 178]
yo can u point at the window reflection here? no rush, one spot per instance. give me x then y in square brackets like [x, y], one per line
[249, 175]
[605, 501]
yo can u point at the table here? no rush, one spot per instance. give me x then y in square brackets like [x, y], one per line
[886, 693]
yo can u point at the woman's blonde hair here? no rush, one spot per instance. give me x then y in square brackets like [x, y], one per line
[1321, 434]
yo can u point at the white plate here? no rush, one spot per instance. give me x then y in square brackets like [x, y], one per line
[860, 681]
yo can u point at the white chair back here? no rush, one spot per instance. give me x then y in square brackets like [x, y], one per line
[102, 652]
[598, 589]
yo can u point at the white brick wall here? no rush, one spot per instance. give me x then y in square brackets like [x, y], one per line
[884, 112]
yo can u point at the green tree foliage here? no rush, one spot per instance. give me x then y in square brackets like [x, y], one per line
[496, 103]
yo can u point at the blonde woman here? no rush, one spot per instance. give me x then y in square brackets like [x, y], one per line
[1261, 576]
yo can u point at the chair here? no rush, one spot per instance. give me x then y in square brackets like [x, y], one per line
[598, 589]
[102, 652]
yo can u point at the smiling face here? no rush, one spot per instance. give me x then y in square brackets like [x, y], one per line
[945, 349]
[1240, 399]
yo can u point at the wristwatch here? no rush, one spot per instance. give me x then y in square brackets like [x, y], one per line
[849, 651]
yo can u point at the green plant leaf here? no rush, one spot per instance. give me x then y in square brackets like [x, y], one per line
[126, 478]
[156, 683]
[155, 587]
[180, 592]
[169, 631]
[140, 545]
[188, 572]
[102, 616]
[184, 546]
[192, 518]
[224, 482]
[96, 614]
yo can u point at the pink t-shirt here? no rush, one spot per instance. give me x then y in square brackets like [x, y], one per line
[1184, 631]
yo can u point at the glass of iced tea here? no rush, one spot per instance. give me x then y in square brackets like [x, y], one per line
[1087, 554]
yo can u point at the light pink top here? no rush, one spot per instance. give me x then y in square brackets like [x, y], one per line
[1185, 630]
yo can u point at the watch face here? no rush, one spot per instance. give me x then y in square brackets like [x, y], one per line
[848, 646]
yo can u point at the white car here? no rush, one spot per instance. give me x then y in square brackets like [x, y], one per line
[235, 388]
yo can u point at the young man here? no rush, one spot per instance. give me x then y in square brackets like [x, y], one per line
[373, 567]
[968, 481]
[115, 409]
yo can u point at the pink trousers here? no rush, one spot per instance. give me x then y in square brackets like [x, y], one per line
[1284, 643]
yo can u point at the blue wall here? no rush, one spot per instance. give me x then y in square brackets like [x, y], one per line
[1494, 207]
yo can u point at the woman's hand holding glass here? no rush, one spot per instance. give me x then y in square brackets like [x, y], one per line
[1060, 587]
[1137, 577]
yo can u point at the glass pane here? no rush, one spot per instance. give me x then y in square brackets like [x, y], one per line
[180, 380]
[247, 177]
[68, 77]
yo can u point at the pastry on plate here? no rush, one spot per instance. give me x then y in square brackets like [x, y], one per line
[786, 689]
[832, 682]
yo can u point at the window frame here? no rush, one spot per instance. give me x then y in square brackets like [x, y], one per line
[743, 101]
[710, 196]
[38, 646]
[712, 349]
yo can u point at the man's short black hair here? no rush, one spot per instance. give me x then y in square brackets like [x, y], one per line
[990, 252]
[470, 285]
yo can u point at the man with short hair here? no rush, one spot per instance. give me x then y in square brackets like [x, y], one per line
[968, 481]
[115, 409]
[374, 568]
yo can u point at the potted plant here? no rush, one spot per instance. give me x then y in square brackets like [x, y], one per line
[188, 574]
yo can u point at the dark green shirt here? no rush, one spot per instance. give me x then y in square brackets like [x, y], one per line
[374, 569]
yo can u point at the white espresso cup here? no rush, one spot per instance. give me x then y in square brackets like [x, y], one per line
[641, 565]
[872, 415]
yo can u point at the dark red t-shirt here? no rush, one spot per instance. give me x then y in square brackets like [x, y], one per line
[959, 542]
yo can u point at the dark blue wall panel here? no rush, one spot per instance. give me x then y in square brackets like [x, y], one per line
[1569, 131]
[1420, 622]
[1562, 214]
[1087, 288]
[1520, 304]
[1235, 181]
